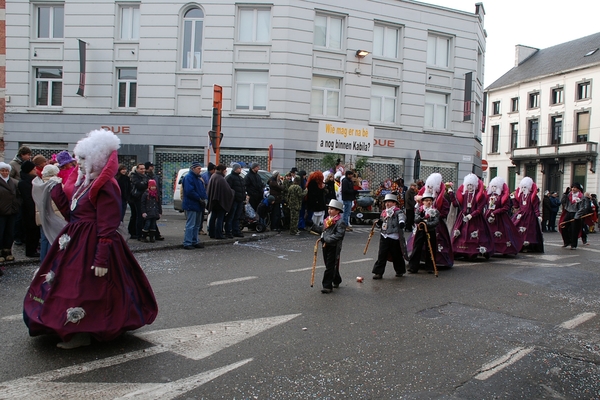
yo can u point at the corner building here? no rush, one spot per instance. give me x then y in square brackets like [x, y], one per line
[542, 117]
[284, 66]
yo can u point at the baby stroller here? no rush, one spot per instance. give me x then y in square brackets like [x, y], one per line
[251, 220]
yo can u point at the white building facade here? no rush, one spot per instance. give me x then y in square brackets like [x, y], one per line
[284, 66]
[541, 117]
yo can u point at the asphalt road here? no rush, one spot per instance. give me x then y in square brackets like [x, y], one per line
[240, 321]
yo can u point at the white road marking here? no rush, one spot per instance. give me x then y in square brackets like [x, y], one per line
[322, 266]
[246, 278]
[16, 317]
[193, 342]
[532, 263]
[579, 247]
[304, 269]
[500, 363]
[552, 257]
[357, 261]
[580, 319]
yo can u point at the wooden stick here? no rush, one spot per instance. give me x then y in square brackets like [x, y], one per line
[562, 224]
[370, 236]
[314, 266]
[435, 270]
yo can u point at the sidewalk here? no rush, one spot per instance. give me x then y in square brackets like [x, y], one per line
[171, 226]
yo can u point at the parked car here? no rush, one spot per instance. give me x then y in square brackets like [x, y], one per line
[264, 175]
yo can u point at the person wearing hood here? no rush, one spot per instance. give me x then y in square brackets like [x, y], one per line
[220, 198]
[471, 234]
[507, 240]
[526, 215]
[29, 228]
[90, 285]
[235, 182]
[24, 154]
[48, 217]
[10, 204]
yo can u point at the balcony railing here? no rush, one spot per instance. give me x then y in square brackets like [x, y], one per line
[558, 150]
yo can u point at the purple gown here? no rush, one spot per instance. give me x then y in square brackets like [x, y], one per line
[504, 233]
[525, 218]
[474, 237]
[65, 297]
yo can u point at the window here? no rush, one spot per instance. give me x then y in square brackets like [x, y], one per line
[383, 103]
[533, 125]
[385, 41]
[557, 96]
[493, 172]
[583, 126]
[495, 138]
[514, 135]
[48, 82]
[534, 100]
[438, 51]
[130, 22]
[251, 90]
[325, 96]
[50, 22]
[584, 90]
[556, 127]
[480, 65]
[192, 39]
[512, 178]
[254, 25]
[127, 83]
[579, 173]
[328, 31]
[436, 110]
[496, 108]
[514, 104]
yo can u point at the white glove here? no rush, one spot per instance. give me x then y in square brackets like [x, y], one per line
[491, 219]
[467, 218]
[450, 190]
[540, 219]
[518, 216]
[100, 271]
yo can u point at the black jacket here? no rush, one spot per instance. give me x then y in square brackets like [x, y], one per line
[139, 184]
[348, 192]
[125, 186]
[236, 182]
[10, 198]
[254, 185]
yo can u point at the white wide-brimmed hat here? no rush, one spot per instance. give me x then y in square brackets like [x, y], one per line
[427, 195]
[336, 204]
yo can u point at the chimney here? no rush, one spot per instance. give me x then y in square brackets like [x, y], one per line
[522, 53]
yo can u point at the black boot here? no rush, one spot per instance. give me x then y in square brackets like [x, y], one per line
[144, 237]
[152, 234]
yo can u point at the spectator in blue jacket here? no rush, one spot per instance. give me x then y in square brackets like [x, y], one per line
[194, 202]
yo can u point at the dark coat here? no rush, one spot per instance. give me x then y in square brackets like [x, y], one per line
[151, 206]
[10, 198]
[329, 191]
[139, 184]
[546, 207]
[125, 186]
[254, 185]
[276, 189]
[219, 192]
[315, 199]
[236, 182]
[25, 187]
[348, 191]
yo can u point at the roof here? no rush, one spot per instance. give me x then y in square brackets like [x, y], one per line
[553, 60]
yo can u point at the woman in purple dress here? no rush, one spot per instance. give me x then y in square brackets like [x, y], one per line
[444, 256]
[526, 215]
[471, 234]
[90, 284]
[507, 240]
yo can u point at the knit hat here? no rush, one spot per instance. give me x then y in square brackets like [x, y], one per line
[49, 171]
[148, 164]
[235, 166]
[151, 182]
[275, 173]
[253, 165]
[4, 165]
[195, 164]
[63, 158]
[271, 198]
[27, 166]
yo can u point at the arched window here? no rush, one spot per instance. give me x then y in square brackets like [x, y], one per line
[193, 20]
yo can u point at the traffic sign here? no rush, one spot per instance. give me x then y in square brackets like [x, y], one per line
[484, 165]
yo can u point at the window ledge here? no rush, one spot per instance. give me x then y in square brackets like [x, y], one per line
[55, 110]
[430, 131]
[328, 50]
[384, 125]
[189, 72]
[445, 69]
[127, 41]
[124, 111]
[513, 112]
[238, 113]
[263, 44]
[496, 153]
[495, 115]
[325, 118]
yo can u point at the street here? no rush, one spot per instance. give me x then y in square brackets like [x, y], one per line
[240, 321]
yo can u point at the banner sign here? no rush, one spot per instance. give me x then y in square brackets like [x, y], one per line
[81, 68]
[342, 138]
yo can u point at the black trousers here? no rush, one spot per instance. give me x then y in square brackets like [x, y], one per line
[389, 246]
[418, 243]
[332, 267]
[570, 233]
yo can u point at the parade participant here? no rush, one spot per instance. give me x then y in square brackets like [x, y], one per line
[471, 234]
[391, 222]
[526, 215]
[428, 215]
[332, 236]
[444, 255]
[90, 284]
[507, 240]
[151, 211]
[47, 215]
[570, 220]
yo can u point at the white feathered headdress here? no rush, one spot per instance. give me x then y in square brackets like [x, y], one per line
[499, 183]
[94, 150]
[470, 179]
[433, 183]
